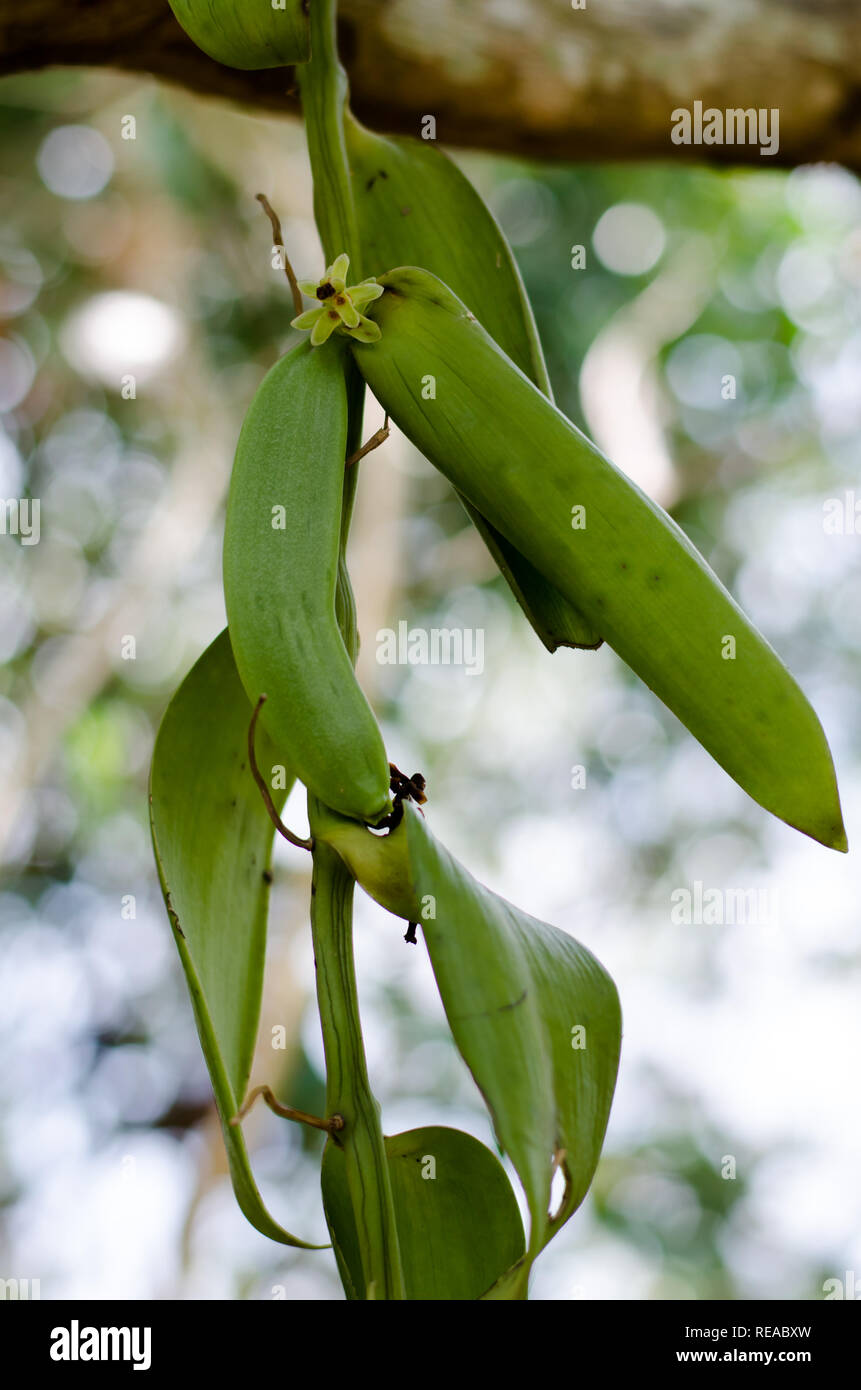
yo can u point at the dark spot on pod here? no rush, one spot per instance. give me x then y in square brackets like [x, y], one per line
[267, 877]
[325, 291]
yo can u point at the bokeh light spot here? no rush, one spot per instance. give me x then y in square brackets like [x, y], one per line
[75, 161]
[629, 238]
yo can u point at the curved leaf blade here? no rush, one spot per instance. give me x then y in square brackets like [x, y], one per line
[213, 840]
[252, 35]
[533, 1013]
[459, 1227]
[631, 568]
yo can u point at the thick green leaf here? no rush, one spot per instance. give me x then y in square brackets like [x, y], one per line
[533, 1013]
[213, 840]
[631, 569]
[413, 203]
[247, 34]
[414, 207]
[459, 1228]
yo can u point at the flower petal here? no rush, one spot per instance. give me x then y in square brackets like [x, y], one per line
[324, 327]
[367, 332]
[364, 293]
[307, 319]
[349, 315]
[337, 271]
[309, 287]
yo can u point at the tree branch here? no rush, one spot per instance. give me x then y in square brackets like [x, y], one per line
[530, 77]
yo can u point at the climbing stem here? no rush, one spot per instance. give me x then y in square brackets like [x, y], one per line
[345, 604]
[348, 1091]
[323, 85]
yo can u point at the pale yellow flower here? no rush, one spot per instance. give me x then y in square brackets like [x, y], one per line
[338, 307]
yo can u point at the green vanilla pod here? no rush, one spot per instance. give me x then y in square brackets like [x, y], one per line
[412, 205]
[248, 33]
[600, 541]
[281, 545]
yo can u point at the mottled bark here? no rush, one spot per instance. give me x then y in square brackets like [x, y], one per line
[536, 77]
